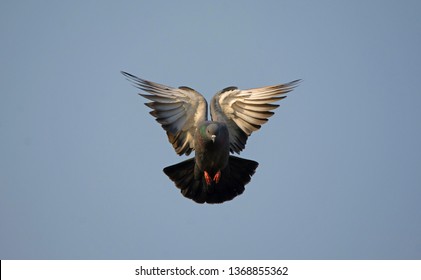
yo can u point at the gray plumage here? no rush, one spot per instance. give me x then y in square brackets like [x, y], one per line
[213, 176]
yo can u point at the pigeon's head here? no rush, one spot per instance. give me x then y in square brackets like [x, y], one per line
[212, 132]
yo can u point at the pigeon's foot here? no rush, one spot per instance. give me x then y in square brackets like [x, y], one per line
[217, 177]
[208, 178]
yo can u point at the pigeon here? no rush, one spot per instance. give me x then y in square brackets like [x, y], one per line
[213, 175]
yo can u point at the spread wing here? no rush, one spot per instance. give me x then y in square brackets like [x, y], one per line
[244, 111]
[178, 110]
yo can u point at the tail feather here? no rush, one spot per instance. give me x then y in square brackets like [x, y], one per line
[232, 182]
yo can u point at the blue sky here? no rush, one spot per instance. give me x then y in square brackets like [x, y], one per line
[81, 159]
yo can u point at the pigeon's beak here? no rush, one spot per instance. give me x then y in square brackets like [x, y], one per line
[213, 138]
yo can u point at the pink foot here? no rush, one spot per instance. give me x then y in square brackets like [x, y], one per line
[217, 177]
[208, 179]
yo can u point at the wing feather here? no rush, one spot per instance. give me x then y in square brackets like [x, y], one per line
[252, 113]
[244, 111]
[178, 110]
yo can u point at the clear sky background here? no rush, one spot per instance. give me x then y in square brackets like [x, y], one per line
[81, 159]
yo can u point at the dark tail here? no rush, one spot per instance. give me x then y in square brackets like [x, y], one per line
[232, 182]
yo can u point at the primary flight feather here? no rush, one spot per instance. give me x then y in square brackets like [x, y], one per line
[213, 175]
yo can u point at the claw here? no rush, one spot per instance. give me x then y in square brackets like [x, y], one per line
[217, 177]
[208, 179]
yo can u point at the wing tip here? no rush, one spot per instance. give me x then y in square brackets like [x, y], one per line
[129, 76]
[295, 83]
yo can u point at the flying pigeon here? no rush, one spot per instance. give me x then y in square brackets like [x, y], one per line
[213, 175]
